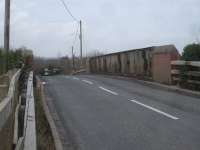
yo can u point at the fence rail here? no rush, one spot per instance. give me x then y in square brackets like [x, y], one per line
[29, 119]
[6, 103]
[27, 141]
[186, 73]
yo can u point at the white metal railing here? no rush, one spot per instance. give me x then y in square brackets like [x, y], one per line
[29, 118]
[28, 140]
[191, 72]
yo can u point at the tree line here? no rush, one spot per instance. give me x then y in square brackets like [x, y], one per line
[16, 57]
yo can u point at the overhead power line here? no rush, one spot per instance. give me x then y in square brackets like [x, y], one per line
[68, 10]
[74, 18]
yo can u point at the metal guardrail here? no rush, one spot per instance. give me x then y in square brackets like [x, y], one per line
[28, 139]
[29, 118]
[6, 104]
[187, 71]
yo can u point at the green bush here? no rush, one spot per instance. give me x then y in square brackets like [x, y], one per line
[1, 61]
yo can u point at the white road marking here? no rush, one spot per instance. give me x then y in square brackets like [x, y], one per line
[75, 78]
[156, 110]
[109, 91]
[86, 81]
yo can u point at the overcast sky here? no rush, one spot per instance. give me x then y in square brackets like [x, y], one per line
[109, 25]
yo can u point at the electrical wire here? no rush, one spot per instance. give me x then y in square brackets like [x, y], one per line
[74, 18]
[68, 10]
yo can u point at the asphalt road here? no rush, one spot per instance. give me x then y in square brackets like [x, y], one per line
[104, 113]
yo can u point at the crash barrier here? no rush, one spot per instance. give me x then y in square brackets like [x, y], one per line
[186, 74]
[151, 63]
[29, 118]
[25, 125]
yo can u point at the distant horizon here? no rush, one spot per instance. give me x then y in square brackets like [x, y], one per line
[103, 52]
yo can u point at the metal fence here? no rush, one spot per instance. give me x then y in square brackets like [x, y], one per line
[186, 74]
[28, 139]
[29, 118]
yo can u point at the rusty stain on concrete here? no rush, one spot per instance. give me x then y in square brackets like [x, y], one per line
[151, 63]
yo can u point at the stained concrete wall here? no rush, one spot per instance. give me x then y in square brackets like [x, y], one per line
[150, 63]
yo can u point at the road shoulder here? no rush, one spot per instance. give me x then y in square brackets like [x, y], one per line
[155, 85]
[49, 117]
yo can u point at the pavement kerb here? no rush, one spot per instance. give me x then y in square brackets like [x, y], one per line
[171, 88]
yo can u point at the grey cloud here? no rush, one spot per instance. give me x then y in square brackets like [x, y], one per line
[112, 25]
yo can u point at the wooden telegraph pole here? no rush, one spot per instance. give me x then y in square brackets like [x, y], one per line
[73, 63]
[81, 43]
[6, 33]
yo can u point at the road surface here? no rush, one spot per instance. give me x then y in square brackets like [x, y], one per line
[105, 113]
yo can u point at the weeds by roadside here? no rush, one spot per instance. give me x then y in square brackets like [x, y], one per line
[44, 135]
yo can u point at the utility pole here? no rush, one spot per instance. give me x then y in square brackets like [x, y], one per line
[73, 64]
[7, 32]
[81, 42]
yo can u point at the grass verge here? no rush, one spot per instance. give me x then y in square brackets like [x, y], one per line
[44, 135]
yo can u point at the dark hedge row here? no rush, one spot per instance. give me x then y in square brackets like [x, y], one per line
[15, 59]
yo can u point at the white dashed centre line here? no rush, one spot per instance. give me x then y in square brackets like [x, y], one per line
[156, 110]
[86, 81]
[75, 78]
[107, 90]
